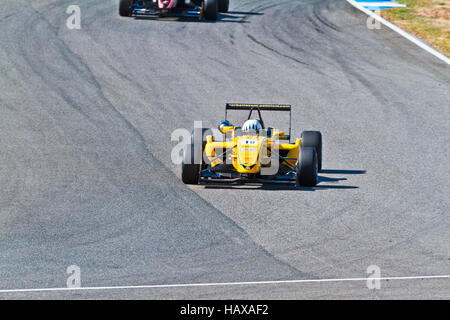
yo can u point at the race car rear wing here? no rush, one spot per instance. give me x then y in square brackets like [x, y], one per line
[259, 108]
[269, 107]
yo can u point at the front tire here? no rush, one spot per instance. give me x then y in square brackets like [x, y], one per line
[125, 8]
[224, 5]
[199, 135]
[193, 161]
[307, 167]
[313, 139]
[210, 9]
[190, 166]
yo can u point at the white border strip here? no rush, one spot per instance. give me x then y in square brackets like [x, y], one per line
[402, 32]
[381, 4]
[190, 285]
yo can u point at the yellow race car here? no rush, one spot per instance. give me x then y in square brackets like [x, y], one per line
[253, 152]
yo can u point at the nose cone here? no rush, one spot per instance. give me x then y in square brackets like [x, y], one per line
[248, 151]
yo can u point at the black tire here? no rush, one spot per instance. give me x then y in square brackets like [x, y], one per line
[193, 161]
[125, 8]
[313, 139]
[307, 167]
[224, 5]
[190, 166]
[199, 134]
[210, 9]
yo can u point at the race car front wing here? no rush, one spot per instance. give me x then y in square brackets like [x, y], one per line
[209, 176]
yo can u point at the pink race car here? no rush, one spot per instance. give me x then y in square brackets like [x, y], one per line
[207, 9]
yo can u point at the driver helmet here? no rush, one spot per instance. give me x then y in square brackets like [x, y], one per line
[252, 125]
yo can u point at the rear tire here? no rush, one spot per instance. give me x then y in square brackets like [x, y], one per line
[307, 167]
[313, 139]
[125, 8]
[210, 9]
[199, 134]
[224, 5]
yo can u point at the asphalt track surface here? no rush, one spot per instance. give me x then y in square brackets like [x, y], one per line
[86, 178]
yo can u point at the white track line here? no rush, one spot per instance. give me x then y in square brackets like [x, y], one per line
[166, 286]
[381, 4]
[402, 32]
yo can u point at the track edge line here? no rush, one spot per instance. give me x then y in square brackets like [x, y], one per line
[402, 32]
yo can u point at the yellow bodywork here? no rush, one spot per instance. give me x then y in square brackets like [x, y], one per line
[250, 152]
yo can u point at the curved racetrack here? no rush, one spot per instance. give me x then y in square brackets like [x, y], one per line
[86, 178]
